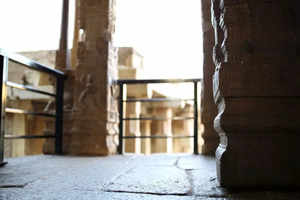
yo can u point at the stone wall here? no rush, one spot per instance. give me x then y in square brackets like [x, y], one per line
[256, 88]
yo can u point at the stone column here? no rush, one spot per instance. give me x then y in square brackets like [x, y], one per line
[256, 88]
[162, 128]
[208, 108]
[145, 126]
[130, 67]
[94, 126]
[132, 128]
[184, 128]
[146, 131]
[18, 128]
[62, 53]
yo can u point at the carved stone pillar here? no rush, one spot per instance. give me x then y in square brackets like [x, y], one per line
[208, 107]
[256, 88]
[162, 128]
[94, 129]
[132, 128]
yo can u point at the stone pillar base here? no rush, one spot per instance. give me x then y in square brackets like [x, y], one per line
[146, 143]
[210, 143]
[49, 146]
[133, 145]
[88, 138]
[93, 145]
[263, 163]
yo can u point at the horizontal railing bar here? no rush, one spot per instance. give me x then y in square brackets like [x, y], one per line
[147, 81]
[156, 100]
[2, 163]
[10, 137]
[28, 88]
[157, 118]
[157, 137]
[31, 64]
[20, 111]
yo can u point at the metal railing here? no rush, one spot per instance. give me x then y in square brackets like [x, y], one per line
[123, 82]
[5, 57]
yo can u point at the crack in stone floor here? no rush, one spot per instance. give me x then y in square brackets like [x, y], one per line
[152, 179]
[13, 186]
[171, 178]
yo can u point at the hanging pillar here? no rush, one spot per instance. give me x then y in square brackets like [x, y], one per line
[256, 89]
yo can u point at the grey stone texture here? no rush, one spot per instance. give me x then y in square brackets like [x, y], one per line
[163, 177]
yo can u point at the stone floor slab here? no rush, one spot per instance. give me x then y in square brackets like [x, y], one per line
[57, 172]
[196, 162]
[152, 180]
[157, 159]
[87, 195]
[128, 196]
[65, 177]
[205, 183]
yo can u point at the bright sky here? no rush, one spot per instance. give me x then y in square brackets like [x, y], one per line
[166, 32]
[28, 25]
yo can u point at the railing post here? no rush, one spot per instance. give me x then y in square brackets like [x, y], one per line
[59, 116]
[196, 117]
[3, 74]
[120, 147]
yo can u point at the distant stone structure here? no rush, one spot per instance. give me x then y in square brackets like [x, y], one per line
[19, 124]
[130, 66]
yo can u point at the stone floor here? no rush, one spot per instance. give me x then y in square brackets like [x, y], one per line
[129, 177]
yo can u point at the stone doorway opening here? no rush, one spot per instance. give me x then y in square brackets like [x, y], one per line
[167, 45]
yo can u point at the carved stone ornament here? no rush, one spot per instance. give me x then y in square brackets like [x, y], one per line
[87, 97]
[81, 51]
[219, 58]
